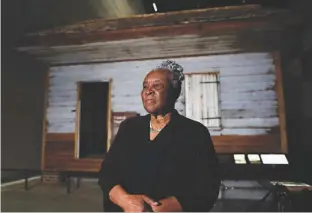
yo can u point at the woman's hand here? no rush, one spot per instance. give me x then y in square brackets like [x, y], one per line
[170, 204]
[135, 203]
[132, 203]
[126, 201]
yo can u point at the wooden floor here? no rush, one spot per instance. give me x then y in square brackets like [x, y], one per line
[51, 198]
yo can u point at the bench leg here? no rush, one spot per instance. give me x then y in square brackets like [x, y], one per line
[78, 182]
[68, 184]
[26, 183]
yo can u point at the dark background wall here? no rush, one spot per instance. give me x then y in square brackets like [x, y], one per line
[22, 98]
[23, 77]
[297, 65]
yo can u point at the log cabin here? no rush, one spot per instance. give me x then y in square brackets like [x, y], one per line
[232, 63]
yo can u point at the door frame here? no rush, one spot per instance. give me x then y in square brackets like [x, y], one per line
[77, 116]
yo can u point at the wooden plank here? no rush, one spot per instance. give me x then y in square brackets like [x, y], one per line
[281, 101]
[250, 122]
[54, 154]
[153, 48]
[44, 120]
[64, 137]
[247, 87]
[62, 127]
[230, 105]
[203, 73]
[154, 31]
[60, 147]
[252, 69]
[60, 154]
[96, 29]
[250, 113]
[84, 165]
[245, 131]
[253, 95]
[247, 144]
[65, 76]
[159, 19]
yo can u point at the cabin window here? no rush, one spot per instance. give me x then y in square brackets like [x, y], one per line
[202, 99]
[93, 119]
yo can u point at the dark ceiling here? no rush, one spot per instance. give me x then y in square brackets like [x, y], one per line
[22, 16]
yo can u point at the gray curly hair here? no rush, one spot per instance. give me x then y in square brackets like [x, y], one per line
[176, 70]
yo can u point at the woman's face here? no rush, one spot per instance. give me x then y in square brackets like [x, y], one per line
[155, 93]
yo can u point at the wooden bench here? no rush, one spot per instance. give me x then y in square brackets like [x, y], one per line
[26, 173]
[76, 174]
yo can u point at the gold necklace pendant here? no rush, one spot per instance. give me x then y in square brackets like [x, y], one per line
[154, 130]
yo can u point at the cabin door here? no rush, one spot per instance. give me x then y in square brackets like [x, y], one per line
[93, 119]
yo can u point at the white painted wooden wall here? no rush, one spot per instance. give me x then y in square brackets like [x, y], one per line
[248, 99]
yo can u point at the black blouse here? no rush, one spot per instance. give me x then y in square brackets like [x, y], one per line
[179, 162]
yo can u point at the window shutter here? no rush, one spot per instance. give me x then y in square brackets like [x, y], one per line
[202, 99]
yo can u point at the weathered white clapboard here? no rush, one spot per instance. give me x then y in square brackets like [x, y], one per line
[248, 100]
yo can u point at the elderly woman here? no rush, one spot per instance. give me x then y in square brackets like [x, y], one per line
[162, 161]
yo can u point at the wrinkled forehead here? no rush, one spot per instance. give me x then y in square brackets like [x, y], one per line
[158, 75]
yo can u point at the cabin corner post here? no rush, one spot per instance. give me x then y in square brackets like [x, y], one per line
[281, 101]
[109, 115]
[44, 119]
[77, 120]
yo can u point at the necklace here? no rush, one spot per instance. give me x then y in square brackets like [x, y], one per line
[154, 130]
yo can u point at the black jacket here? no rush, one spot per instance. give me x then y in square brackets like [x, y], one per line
[179, 162]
